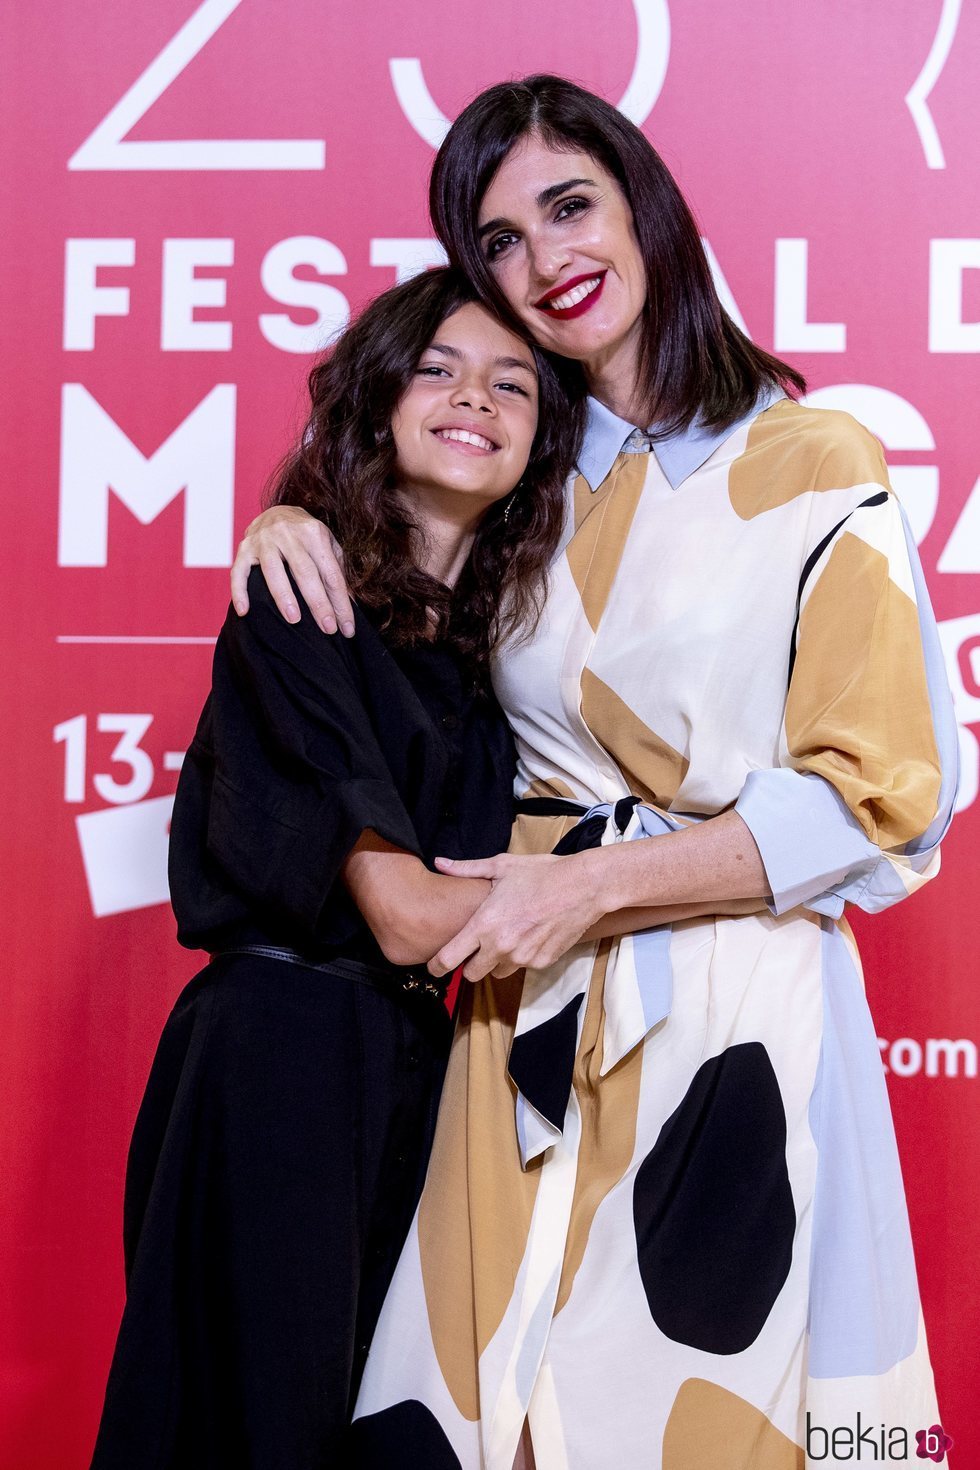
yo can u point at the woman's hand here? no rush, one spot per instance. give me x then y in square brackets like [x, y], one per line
[537, 909]
[539, 906]
[284, 533]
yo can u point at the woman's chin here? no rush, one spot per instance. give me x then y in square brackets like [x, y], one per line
[583, 339]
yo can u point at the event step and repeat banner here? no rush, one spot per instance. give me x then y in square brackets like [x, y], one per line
[194, 200]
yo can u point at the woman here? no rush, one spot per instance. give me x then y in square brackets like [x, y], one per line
[281, 1145]
[670, 1228]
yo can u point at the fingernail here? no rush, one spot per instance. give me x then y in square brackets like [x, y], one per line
[292, 613]
[348, 629]
[241, 608]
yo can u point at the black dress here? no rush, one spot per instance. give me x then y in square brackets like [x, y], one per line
[280, 1148]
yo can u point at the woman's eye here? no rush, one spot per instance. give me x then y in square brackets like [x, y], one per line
[569, 207]
[498, 244]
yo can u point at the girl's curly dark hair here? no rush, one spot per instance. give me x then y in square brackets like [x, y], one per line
[343, 471]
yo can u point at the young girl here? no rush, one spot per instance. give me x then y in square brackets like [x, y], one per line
[281, 1145]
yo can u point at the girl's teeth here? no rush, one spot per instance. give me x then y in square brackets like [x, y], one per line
[575, 295]
[463, 436]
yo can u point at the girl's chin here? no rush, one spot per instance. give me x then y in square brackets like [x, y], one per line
[463, 493]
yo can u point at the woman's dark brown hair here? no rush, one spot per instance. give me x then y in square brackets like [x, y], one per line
[695, 362]
[343, 470]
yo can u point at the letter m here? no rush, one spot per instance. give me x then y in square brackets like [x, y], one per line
[97, 457]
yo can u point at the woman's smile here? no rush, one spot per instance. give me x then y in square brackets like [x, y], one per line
[557, 233]
[574, 297]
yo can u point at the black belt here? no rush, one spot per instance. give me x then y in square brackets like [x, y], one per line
[413, 981]
[586, 834]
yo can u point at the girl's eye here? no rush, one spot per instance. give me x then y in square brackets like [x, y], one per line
[433, 370]
[513, 388]
[569, 207]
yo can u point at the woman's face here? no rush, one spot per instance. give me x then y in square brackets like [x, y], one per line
[465, 425]
[558, 235]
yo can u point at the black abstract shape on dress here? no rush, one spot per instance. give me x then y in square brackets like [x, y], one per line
[585, 834]
[713, 1209]
[405, 1435]
[542, 1061]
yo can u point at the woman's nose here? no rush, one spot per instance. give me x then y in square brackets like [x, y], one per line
[548, 258]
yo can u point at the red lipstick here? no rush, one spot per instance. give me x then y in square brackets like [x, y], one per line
[580, 307]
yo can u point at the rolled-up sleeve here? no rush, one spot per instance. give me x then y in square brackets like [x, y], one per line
[298, 772]
[866, 782]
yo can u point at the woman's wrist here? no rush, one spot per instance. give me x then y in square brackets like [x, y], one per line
[610, 880]
[716, 859]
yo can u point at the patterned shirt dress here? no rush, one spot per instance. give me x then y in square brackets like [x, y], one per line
[664, 1219]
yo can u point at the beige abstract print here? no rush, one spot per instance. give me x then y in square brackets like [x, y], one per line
[711, 1243]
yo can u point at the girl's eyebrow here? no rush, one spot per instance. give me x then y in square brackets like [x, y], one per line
[517, 362]
[500, 362]
[546, 197]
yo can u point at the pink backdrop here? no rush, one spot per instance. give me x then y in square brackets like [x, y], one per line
[161, 289]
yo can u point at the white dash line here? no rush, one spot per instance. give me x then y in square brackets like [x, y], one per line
[126, 638]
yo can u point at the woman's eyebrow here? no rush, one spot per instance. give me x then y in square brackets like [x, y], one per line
[549, 195]
[546, 197]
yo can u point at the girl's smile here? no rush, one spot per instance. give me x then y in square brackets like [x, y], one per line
[464, 428]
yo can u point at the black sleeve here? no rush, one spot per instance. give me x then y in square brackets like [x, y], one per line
[298, 772]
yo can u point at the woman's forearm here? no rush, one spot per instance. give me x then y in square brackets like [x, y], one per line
[716, 860]
[410, 911]
[541, 905]
[629, 920]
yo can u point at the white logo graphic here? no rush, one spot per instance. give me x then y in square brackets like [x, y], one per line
[107, 148]
[97, 458]
[938, 1056]
[917, 97]
[124, 852]
[949, 260]
[636, 103]
[960, 640]
[899, 425]
[124, 847]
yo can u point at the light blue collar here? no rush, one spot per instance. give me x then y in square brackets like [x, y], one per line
[679, 455]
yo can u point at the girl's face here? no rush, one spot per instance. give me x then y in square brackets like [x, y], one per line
[465, 425]
[558, 235]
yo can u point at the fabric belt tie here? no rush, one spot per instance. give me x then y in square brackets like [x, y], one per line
[638, 983]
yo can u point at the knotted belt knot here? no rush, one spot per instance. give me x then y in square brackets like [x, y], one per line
[637, 991]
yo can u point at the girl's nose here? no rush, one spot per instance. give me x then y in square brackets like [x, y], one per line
[475, 395]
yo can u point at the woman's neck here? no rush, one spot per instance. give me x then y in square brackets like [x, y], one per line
[613, 377]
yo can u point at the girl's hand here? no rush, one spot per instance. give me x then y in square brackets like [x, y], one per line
[284, 533]
[537, 909]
